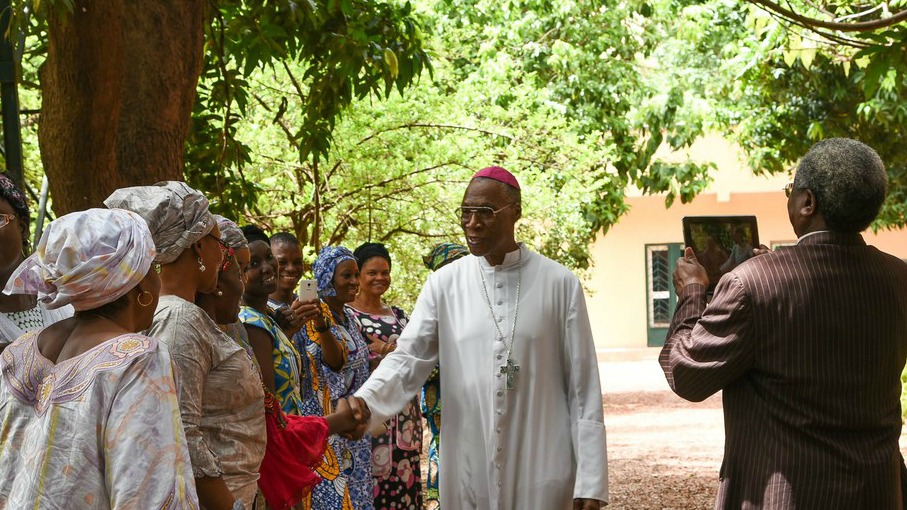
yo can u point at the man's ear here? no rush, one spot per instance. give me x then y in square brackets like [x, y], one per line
[518, 209]
[809, 206]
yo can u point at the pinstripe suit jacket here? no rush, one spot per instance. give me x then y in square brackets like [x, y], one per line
[808, 345]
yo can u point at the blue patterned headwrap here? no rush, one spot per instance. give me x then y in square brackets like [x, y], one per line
[325, 265]
[442, 254]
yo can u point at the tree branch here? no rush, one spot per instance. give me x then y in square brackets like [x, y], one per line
[441, 126]
[403, 230]
[812, 23]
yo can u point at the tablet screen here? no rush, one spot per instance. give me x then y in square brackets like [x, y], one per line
[721, 243]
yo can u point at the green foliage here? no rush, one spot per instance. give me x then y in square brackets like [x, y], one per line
[778, 88]
[513, 85]
[347, 50]
[590, 59]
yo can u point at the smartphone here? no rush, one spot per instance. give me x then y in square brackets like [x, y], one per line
[308, 290]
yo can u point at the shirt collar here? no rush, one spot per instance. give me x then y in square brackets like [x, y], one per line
[511, 259]
[832, 237]
[804, 236]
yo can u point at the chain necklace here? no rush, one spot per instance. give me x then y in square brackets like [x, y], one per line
[511, 368]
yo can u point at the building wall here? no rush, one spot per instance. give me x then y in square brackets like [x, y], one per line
[617, 287]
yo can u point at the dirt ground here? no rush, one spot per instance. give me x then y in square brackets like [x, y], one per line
[663, 452]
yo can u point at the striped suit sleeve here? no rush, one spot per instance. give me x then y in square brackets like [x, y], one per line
[708, 347]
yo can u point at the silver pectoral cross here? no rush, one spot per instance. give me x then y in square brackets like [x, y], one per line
[510, 370]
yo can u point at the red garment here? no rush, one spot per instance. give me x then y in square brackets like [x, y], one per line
[296, 445]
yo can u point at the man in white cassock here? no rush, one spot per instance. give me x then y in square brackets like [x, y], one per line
[523, 426]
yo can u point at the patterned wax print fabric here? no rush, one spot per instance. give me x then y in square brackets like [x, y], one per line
[353, 467]
[286, 360]
[431, 411]
[98, 431]
[225, 429]
[323, 269]
[395, 454]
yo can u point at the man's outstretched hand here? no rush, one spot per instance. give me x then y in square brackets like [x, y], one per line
[349, 423]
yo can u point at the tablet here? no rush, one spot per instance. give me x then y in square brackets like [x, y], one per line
[721, 243]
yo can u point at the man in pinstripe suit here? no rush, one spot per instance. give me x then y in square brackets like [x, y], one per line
[807, 344]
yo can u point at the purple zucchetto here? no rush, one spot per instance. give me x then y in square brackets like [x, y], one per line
[499, 174]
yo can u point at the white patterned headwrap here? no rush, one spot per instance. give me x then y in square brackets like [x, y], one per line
[87, 259]
[177, 215]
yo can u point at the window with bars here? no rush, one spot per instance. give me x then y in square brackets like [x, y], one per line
[660, 261]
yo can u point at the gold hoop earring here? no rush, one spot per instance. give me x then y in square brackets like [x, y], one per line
[150, 298]
[201, 265]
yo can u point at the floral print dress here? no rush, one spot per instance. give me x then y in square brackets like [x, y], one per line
[396, 453]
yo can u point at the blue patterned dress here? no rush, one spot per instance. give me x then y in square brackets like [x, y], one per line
[287, 362]
[354, 458]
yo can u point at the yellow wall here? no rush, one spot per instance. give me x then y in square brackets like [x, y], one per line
[617, 299]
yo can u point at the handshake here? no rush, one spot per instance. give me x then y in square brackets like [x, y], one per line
[350, 419]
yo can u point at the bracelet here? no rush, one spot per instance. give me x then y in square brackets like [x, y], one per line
[322, 329]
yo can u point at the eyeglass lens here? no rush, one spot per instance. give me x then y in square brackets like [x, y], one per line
[482, 214]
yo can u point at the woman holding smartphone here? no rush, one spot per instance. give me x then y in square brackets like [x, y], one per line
[340, 355]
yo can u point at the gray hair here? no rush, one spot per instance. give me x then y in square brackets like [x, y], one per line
[177, 215]
[849, 181]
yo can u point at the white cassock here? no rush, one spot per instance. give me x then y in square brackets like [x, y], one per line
[536, 446]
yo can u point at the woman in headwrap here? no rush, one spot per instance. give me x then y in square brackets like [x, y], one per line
[90, 411]
[223, 304]
[287, 373]
[19, 313]
[396, 452]
[243, 434]
[218, 387]
[439, 256]
[340, 357]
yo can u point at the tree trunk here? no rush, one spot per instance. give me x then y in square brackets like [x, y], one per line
[117, 92]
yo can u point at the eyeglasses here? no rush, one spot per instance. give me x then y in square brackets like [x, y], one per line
[226, 250]
[6, 219]
[788, 189]
[482, 214]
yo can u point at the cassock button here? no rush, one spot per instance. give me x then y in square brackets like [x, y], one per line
[500, 356]
[499, 285]
[500, 319]
[500, 412]
[499, 448]
[500, 302]
[499, 483]
[499, 394]
[498, 430]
